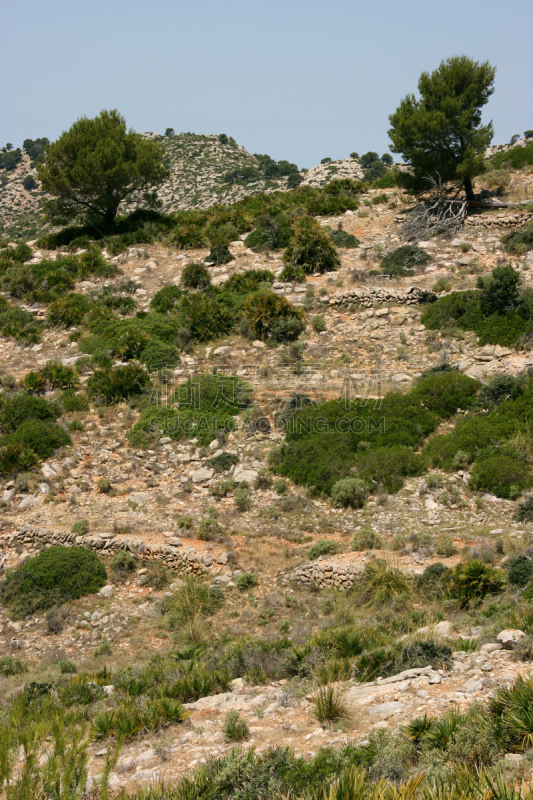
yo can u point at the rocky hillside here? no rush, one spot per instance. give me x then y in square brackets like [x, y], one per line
[231, 587]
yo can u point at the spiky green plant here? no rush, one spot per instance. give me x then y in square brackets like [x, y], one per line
[329, 705]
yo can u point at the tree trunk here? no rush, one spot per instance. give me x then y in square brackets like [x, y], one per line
[109, 216]
[469, 191]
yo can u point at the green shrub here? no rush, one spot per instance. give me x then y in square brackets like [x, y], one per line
[187, 607]
[19, 324]
[67, 667]
[73, 402]
[342, 239]
[318, 323]
[520, 570]
[524, 512]
[517, 157]
[235, 728]
[349, 493]
[264, 309]
[500, 388]
[166, 299]
[195, 276]
[223, 462]
[329, 705]
[242, 500]
[404, 259]
[310, 248]
[446, 392]
[286, 330]
[204, 317]
[502, 474]
[122, 564]
[43, 437]
[445, 547]
[210, 530]
[9, 665]
[244, 283]
[518, 242]
[56, 576]
[426, 653]
[247, 580]
[80, 527]
[68, 310]
[34, 382]
[104, 485]
[25, 407]
[366, 539]
[432, 581]
[103, 649]
[59, 376]
[263, 480]
[219, 254]
[322, 547]
[510, 708]
[472, 581]
[388, 466]
[15, 458]
[121, 383]
[159, 355]
[270, 233]
[499, 314]
[381, 584]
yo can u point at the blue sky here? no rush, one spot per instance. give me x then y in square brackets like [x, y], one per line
[297, 79]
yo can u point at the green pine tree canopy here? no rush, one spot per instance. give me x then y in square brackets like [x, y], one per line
[440, 136]
[95, 165]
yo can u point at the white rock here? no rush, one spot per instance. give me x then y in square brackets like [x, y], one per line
[387, 709]
[509, 636]
[202, 475]
[242, 474]
[430, 504]
[27, 502]
[490, 647]
[48, 472]
[107, 591]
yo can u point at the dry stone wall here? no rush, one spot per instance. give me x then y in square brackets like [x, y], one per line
[375, 295]
[325, 575]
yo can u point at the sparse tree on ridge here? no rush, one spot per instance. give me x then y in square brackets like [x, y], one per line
[440, 136]
[95, 165]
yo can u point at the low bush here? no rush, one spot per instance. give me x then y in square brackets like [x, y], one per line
[56, 576]
[349, 493]
[403, 260]
[342, 239]
[223, 462]
[323, 547]
[247, 580]
[432, 581]
[25, 407]
[318, 323]
[187, 607]
[166, 299]
[195, 276]
[446, 393]
[80, 527]
[69, 310]
[516, 157]
[426, 653]
[71, 402]
[235, 728]
[380, 584]
[67, 667]
[366, 539]
[518, 242]
[473, 580]
[121, 383]
[19, 324]
[42, 437]
[286, 330]
[264, 309]
[210, 530]
[520, 570]
[242, 500]
[310, 248]
[524, 512]
[503, 474]
[328, 704]
[9, 665]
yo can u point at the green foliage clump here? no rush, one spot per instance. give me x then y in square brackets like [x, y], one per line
[25, 407]
[71, 401]
[247, 580]
[235, 728]
[404, 258]
[265, 310]
[322, 547]
[342, 239]
[310, 248]
[68, 310]
[166, 299]
[446, 392]
[366, 539]
[210, 530]
[121, 383]
[318, 323]
[19, 324]
[223, 462]
[329, 705]
[349, 493]
[426, 653]
[499, 313]
[195, 276]
[473, 580]
[80, 527]
[270, 233]
[516, 157]
[518, 242]
[9, 665]
[41, 437]
[500, 388]
[56, 576]
[97, 164]
[524, 512]
[503, 474]
[520, 570]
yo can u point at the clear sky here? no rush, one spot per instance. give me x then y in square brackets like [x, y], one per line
[297, 79]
